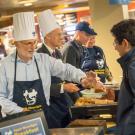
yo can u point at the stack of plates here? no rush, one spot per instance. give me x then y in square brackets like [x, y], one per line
[91, 93]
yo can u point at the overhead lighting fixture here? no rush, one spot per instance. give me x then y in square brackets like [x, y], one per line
[22, 2]
[27, 4]
[26, 1]
[66, 6]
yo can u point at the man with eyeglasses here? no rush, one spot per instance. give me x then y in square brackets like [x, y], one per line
[25, 76]
[124, 43]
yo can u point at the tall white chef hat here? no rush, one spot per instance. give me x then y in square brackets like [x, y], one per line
[47, 22]
[24, 28]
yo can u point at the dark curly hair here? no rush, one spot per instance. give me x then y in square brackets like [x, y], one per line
[125, 30]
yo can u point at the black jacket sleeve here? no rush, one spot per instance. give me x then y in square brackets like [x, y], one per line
[71, 56]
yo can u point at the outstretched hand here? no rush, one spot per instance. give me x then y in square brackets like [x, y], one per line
[70, 87]
[92, 81]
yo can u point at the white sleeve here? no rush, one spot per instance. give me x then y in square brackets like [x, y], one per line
[65, 71]
[8, 107]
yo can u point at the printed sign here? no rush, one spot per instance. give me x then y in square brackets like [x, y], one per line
[29, 127]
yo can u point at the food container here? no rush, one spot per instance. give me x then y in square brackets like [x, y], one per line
[78, 131]
[91, 93]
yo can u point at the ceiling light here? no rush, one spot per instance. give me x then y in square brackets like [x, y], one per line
[66, 5]
[26, 1]
[22, 2]
[27, 4]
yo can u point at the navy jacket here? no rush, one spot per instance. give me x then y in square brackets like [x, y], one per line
[126, 101]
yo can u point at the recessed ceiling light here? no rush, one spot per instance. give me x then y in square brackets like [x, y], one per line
[26, 1]
[27, 4]
[22, 2]
[66, 5]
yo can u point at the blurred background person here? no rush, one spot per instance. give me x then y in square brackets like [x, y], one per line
[73, 50]
[2, 50]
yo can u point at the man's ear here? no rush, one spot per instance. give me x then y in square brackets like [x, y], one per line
[46, 38]
[126, 43]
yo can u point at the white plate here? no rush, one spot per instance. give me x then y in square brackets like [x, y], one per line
[91, 93]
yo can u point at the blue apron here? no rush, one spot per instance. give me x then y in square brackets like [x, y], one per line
[93, 60]
[30, 94]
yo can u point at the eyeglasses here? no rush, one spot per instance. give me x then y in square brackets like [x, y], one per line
[29, 42]
[115, 43]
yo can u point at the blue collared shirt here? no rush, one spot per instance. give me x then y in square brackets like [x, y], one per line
[48, 67]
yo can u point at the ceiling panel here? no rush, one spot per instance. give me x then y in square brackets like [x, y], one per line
[9, 7]
[10, 4]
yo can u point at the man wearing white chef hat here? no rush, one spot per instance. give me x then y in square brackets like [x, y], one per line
[53, 38]
[47, 22]
[25, 76]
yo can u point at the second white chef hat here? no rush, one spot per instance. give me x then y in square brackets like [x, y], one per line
[47, 22]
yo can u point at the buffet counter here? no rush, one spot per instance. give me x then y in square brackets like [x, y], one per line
[78, 131]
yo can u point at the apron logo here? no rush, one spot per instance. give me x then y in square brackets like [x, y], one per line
[30, 96]
[100, 63]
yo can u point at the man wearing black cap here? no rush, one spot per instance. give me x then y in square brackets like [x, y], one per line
[82, 52]
[73, 50]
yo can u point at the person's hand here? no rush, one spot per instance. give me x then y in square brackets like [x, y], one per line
[70, 87]
[95, 81]
[88, 83]
[110, 94]
[91, 74]
[92, 81]
[99, 87]
[108, 74]
[25, 109]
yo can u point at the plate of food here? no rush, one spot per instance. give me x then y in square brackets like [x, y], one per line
[92, 94]
[84, 101]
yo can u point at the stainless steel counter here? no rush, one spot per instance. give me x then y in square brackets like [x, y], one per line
[78, 131]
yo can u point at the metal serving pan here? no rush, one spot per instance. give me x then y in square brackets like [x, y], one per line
[89, 111]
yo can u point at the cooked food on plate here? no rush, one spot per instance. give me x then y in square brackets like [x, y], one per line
[82, 101]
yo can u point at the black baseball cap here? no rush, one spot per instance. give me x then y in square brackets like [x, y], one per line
[84, 26]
